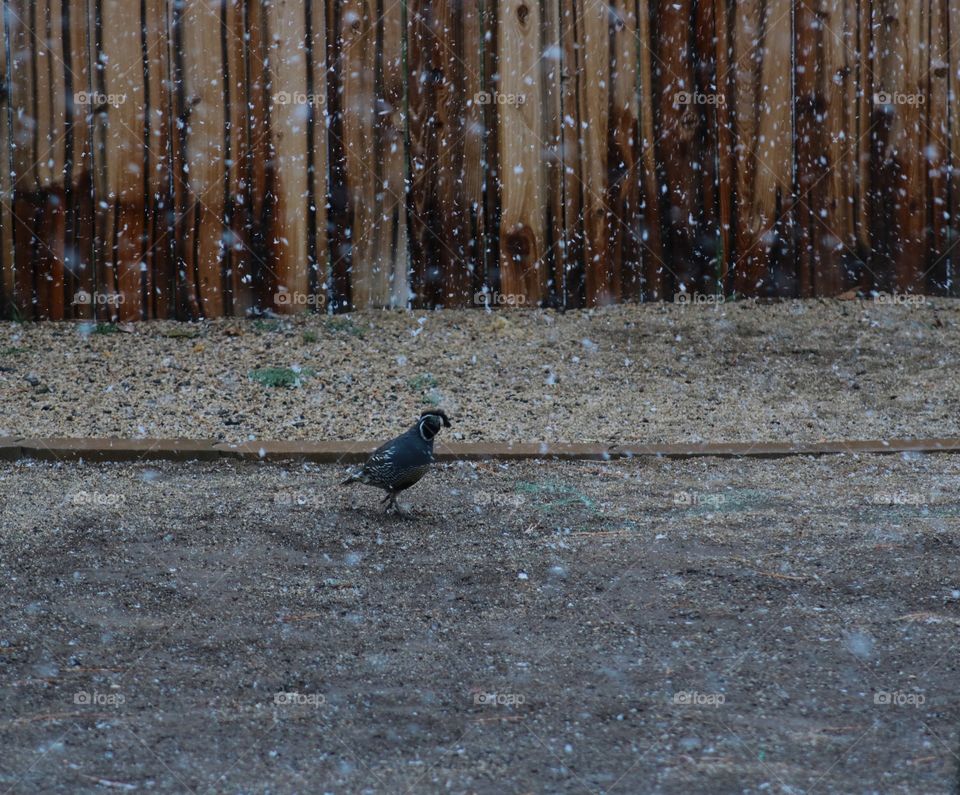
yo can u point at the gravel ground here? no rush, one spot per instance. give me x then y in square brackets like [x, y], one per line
[708, 626]
[657, 373]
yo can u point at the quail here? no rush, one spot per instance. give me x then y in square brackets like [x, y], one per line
[401, 462]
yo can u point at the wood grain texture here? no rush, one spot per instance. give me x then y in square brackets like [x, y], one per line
[654, 264]
[726, 153]
[240, 137]
[523, 270]
[391, 158]
[50, 158]
[902, 96]
[937, 150]
[201, 166]
[570, 214]
[290, 112]
[440, 223]
[601, 281]
[120, 111]
[553, 78]
[952, 254]
[80, 205]
[681, 157]
[763, 111]
[625, 217]
[319, 177]
[150, 163]
[840, 256]
[8, 264]
[373, 151]
[27, 203]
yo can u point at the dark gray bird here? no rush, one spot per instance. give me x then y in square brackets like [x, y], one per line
[401, 462]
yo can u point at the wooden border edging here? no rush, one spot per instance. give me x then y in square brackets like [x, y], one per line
[99, 450]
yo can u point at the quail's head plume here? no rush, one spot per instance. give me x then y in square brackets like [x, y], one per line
[401, 462]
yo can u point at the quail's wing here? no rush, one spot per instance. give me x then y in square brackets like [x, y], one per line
[381, 458]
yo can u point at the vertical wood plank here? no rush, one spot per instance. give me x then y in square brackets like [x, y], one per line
[624, 149]
[653, 252]
[952, 263]
[553, 76]
[120, 111]
[765, 257]
[726, 154]
[392, 251]
[256, 148]
[602, 276]
[358, 36]
[50, 95]
[903, 62]
[706, 244]
[937, 150]
[318, 185]
[201, 168]
[7, 262]
[572, 201]
[865, 130]
[474, 146]
[20, 20]
[158, 235]
[810, 142]
[839, 253]
[289, 118]
[338, 212]
[372, 142]
[490, 57]
[438, 102]
[78, 163]
[241, 54]
[679, 132]
[523, 219]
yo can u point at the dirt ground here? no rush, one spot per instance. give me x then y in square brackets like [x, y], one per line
[741, 371]
[709, 626]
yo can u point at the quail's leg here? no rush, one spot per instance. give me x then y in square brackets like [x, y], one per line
[391, 501]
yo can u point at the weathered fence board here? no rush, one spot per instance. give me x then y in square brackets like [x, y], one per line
[205, 158]
[951, 255]
[7, 260]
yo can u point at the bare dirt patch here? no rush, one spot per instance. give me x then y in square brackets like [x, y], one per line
[801, 370]
[649, 626]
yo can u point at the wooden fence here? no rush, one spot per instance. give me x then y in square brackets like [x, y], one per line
[196, 158]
